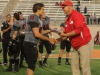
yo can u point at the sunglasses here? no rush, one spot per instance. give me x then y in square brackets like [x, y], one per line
[63, 6]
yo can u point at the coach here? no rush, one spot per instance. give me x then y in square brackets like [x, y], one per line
[79, 34]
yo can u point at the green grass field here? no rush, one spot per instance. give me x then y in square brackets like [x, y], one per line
[54, 69]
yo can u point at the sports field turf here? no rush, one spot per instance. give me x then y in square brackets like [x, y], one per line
[54, 69]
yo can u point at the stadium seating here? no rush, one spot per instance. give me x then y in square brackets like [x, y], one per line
[3, 4]
[54, 12]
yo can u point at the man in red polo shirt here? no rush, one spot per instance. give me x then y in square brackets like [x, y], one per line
[80, 37]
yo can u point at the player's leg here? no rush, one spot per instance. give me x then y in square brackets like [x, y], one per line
[62, 47]
[11, 59]
[40, 53]
[5, 46]
[22, 54]
[68, 47]
[32, 55]
[16, 57]
[16, 61]
[48, 49]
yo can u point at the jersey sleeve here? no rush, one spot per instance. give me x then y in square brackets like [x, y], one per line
[78, 23]
[2, 27]
[33, 21]
[16, 26]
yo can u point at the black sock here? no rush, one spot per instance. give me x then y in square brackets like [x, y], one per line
[21, 62]
[10, 63]
[59, 58]
[45, 59]
[66, 59]
[40, 62]
[16, 61]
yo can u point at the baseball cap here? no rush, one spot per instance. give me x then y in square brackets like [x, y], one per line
[19, 13]
[66, 3]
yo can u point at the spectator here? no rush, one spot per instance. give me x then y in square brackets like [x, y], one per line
[99, 20]
[87, 18]
[56, 4]
[91, 19]
[78, 3]
[96, 38]
[78, 9]
[85, 10]
[94, 18]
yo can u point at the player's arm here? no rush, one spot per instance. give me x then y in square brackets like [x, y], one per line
[51, 35]
[35, 28]
[7, 29]
[14, 35]
[61, 39]
[45, 31]
[16, 29]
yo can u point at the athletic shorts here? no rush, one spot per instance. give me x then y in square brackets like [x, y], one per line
[47, 46]
[31, 53]
[14, 49]
[66, 44]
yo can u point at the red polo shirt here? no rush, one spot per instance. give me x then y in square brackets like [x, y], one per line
[76, 22]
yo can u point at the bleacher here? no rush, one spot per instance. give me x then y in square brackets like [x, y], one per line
[54, 12]
[3, 4]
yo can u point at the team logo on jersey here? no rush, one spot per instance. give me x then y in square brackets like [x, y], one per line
[17, 22]
[71, 22]
[23, 25]
[66, 25]
[31, 17]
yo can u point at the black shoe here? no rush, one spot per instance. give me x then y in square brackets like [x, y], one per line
[45, 64]
[5, 64]
[15, 68]
[67, 63]
[59, 62]
[8, 70]
[22, 66]
[40, 66]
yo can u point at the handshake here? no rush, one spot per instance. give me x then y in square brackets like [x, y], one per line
[58, 31]
[53, 41]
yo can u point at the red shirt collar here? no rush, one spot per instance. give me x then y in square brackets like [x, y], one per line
[72, 12]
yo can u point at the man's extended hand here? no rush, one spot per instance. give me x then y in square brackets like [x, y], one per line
[62, 34]
[51, 41]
